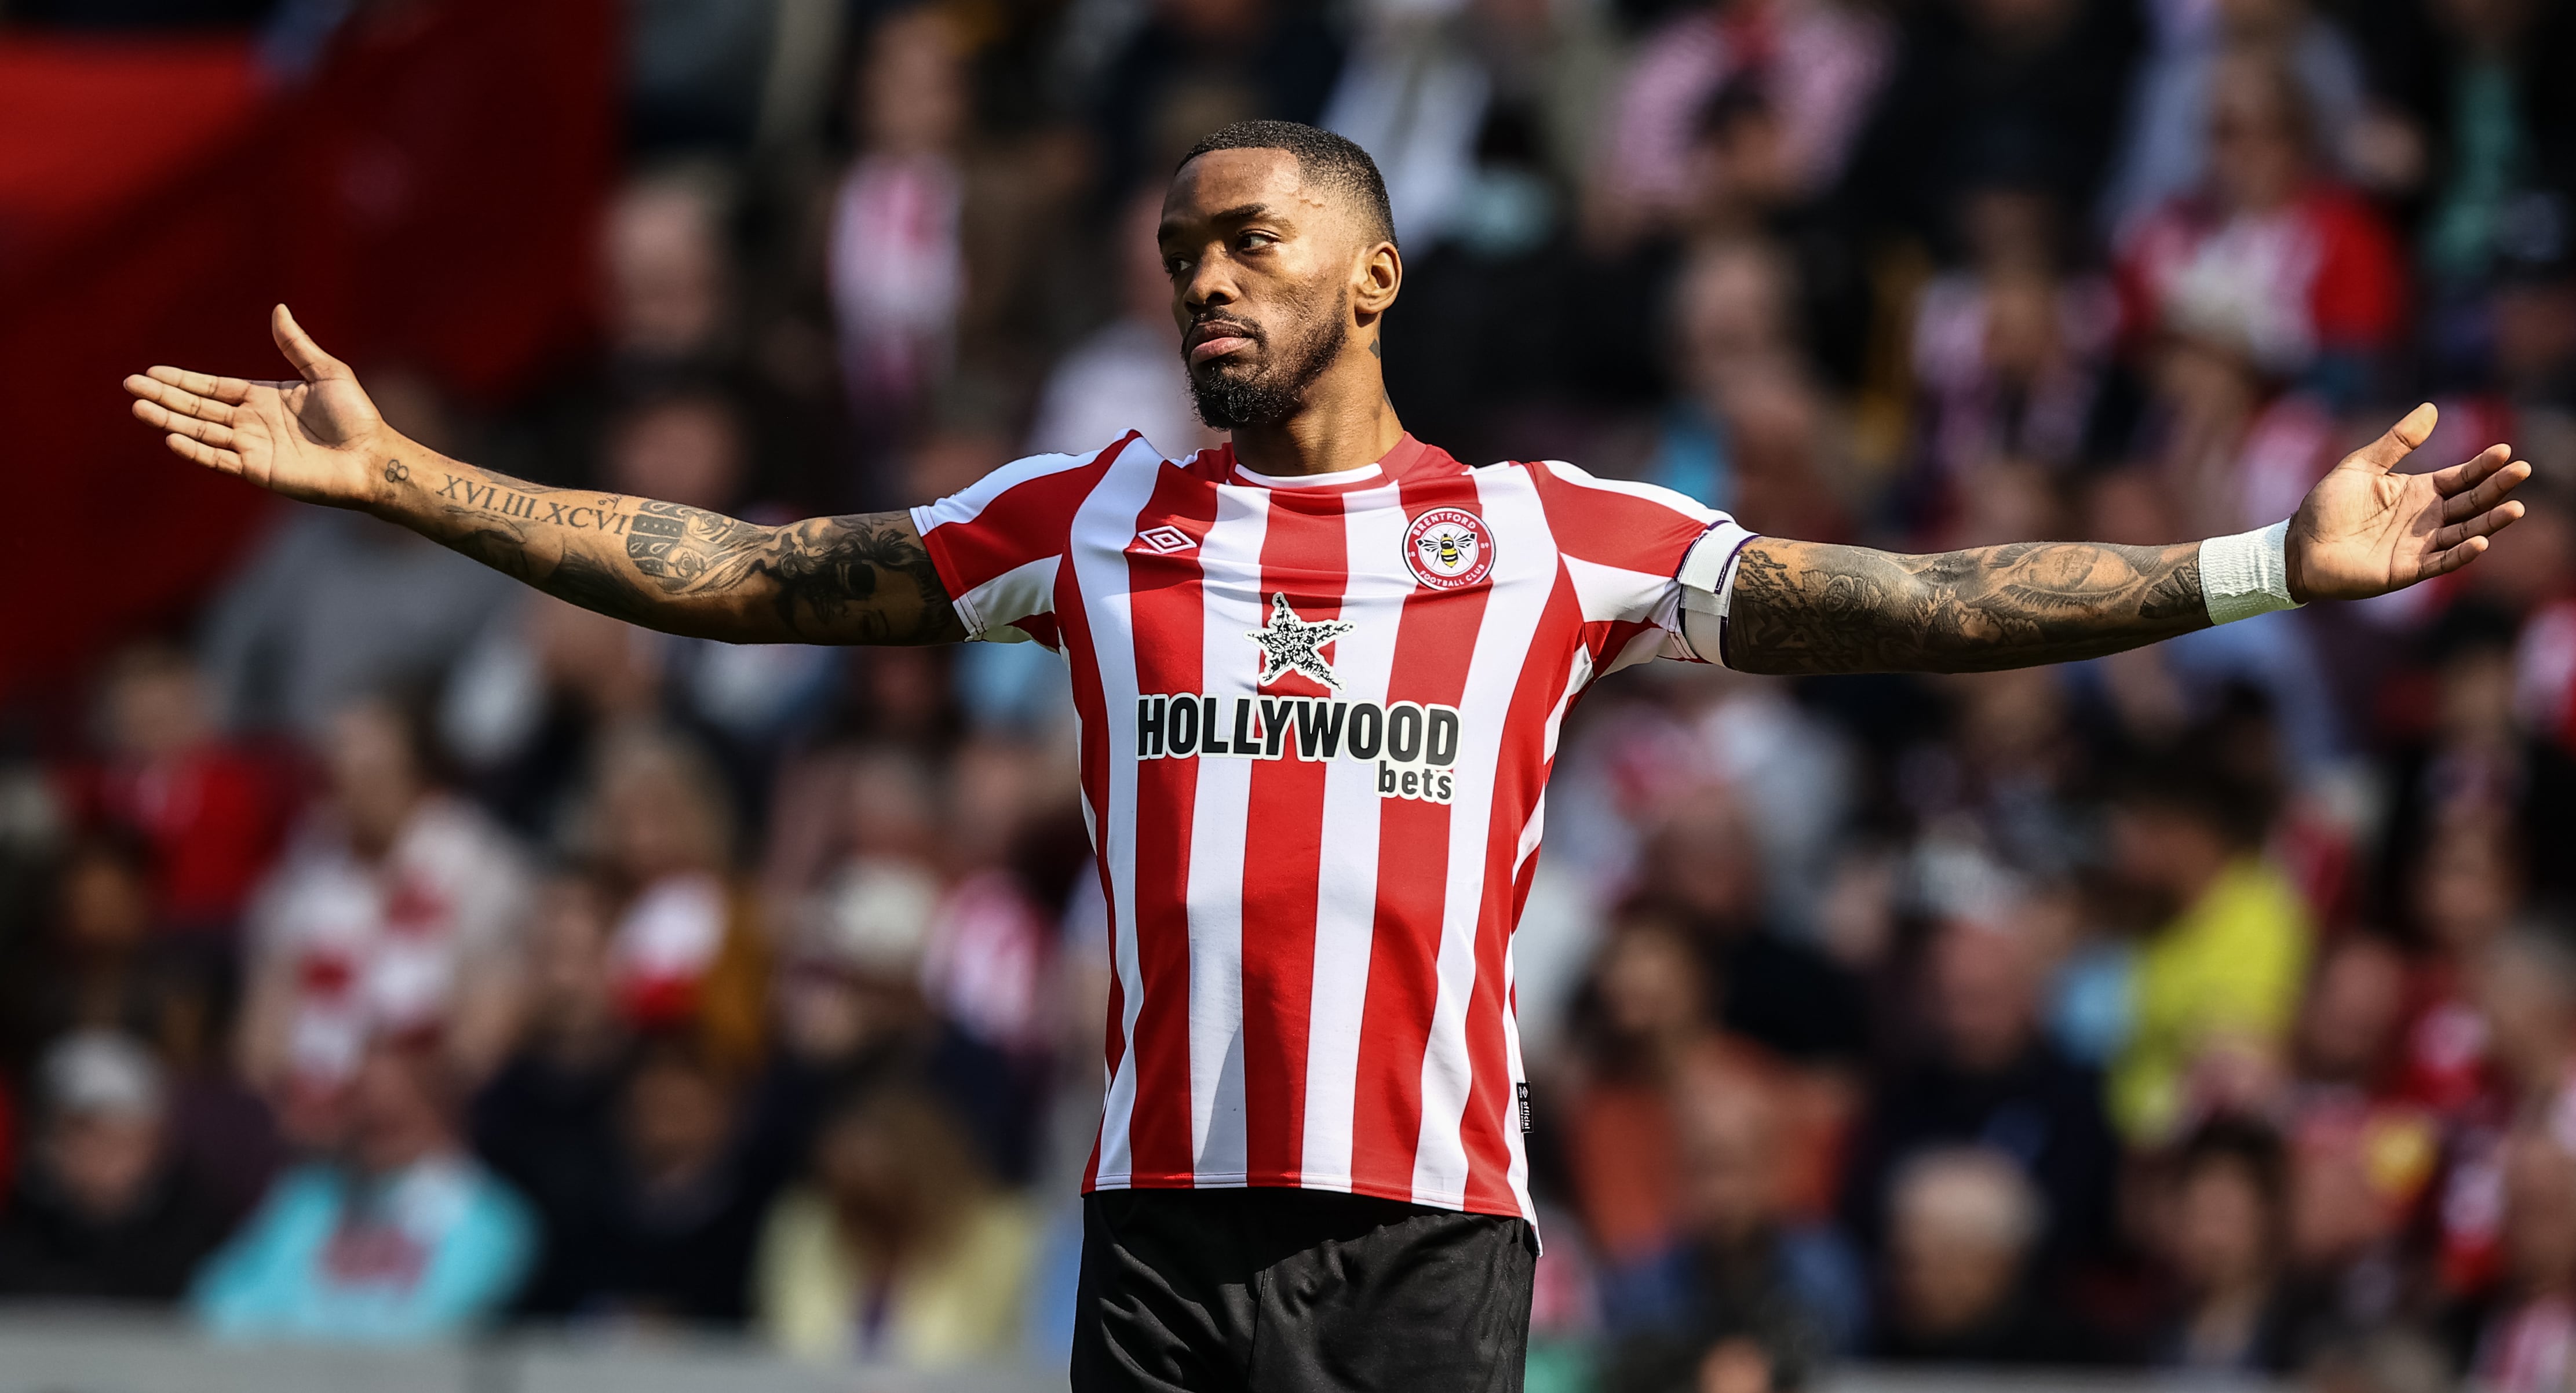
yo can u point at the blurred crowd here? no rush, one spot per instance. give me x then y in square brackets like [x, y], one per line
[387, 951]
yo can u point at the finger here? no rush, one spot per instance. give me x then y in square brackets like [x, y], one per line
[2488, 494]
[301, 350]
[176, 402]
[223, 461]
[211, 433]
[2411, 430]
[2486, 524]
[2469, 472]
[228, 389]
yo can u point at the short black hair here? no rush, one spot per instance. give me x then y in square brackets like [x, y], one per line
[1323, 157]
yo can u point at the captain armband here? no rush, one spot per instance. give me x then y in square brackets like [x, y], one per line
[1707, 579]
[2246, 574]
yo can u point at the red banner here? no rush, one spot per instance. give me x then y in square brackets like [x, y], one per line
[429, 198]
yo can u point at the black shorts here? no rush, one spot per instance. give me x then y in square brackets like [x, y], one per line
[1285, 1291]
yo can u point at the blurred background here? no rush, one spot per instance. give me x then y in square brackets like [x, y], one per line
[392, 955]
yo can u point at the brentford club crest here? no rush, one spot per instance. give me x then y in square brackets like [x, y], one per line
[1449, 549]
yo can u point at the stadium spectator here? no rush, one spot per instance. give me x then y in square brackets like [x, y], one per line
[1641, 1016]
[2165, 149]
[1962, 1225]
[2521, 1341]
[103, 1209]
[663, 1234]
[901, 1249]
[1703, 866]
[2268, 262]
[2225, 1232]
[1989, 1077]
[1741, 1266]
[898, 266]
[2218, 980]
[2010, 354]
[546, 1122]
[398, 1237]
[670, 274]
[1810, 69]
[396, 909]
[207, 809]
[2035, 88]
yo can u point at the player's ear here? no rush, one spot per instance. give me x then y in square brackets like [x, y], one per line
[1375, 278]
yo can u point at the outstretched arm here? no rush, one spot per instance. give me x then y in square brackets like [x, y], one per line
[1806, 607]
[863, 578]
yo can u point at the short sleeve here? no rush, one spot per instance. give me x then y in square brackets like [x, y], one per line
[1624, 546]
[997, 544]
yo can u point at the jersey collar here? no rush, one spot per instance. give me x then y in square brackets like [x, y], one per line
[1394, 464]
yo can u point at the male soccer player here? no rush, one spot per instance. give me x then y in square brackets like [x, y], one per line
[1320, 673]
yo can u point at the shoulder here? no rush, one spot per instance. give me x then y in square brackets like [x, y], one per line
[1040, 485]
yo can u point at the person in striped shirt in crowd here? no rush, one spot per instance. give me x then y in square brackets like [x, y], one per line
[1320, 671]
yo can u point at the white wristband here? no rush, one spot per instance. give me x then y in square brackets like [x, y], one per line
[2246, 574]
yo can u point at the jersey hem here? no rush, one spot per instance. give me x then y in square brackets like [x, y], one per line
[1455, 1202]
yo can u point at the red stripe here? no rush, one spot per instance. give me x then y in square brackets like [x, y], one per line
[1608, 637]
[1520, 776]
[1435, 641]
[1608, 527]
[1090, 706]
[1030, 519]
[1169, 635]
[1305, 556]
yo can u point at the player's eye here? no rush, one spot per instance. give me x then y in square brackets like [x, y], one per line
[1253, 241]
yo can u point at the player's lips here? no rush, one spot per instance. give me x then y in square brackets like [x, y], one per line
[1213, 338]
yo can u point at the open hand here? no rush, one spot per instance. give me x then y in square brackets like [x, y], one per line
[2365, 530]
[317, 438]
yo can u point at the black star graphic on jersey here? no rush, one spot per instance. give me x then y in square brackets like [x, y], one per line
[1290, 643]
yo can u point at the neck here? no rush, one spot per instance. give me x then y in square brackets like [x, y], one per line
[1346, 422]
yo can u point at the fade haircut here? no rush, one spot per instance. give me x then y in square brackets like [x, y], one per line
[1322, 157]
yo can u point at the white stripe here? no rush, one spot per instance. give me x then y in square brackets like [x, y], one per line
[968, 503]
[1518, 1173]
[1653, 493]
[1577, 674]
[1101, 529]
[1615, 593]
[1524, 577]
[1026, 589]
[1346, 870]
[1231, 607]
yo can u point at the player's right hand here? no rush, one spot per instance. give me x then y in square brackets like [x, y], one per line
[317, 438]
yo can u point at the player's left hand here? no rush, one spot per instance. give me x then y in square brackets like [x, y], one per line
[2365, 529]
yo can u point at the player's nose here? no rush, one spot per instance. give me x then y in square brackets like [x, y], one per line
[1210, 283]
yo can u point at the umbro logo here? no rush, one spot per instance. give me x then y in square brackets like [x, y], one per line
[1164, 540]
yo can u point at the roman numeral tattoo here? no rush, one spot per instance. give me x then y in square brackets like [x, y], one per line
[864, 578]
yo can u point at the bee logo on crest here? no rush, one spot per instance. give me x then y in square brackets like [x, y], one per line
[1449, 549]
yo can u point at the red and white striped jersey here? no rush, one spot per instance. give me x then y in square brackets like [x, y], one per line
[1317, 716]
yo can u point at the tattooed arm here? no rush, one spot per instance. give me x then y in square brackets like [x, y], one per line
[1808, 607]
[2365, 529]
[865, 578]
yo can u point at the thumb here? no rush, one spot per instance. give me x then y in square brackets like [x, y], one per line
[300, 349]
[2401, 439]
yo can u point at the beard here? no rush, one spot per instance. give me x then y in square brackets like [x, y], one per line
[1230, 399]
